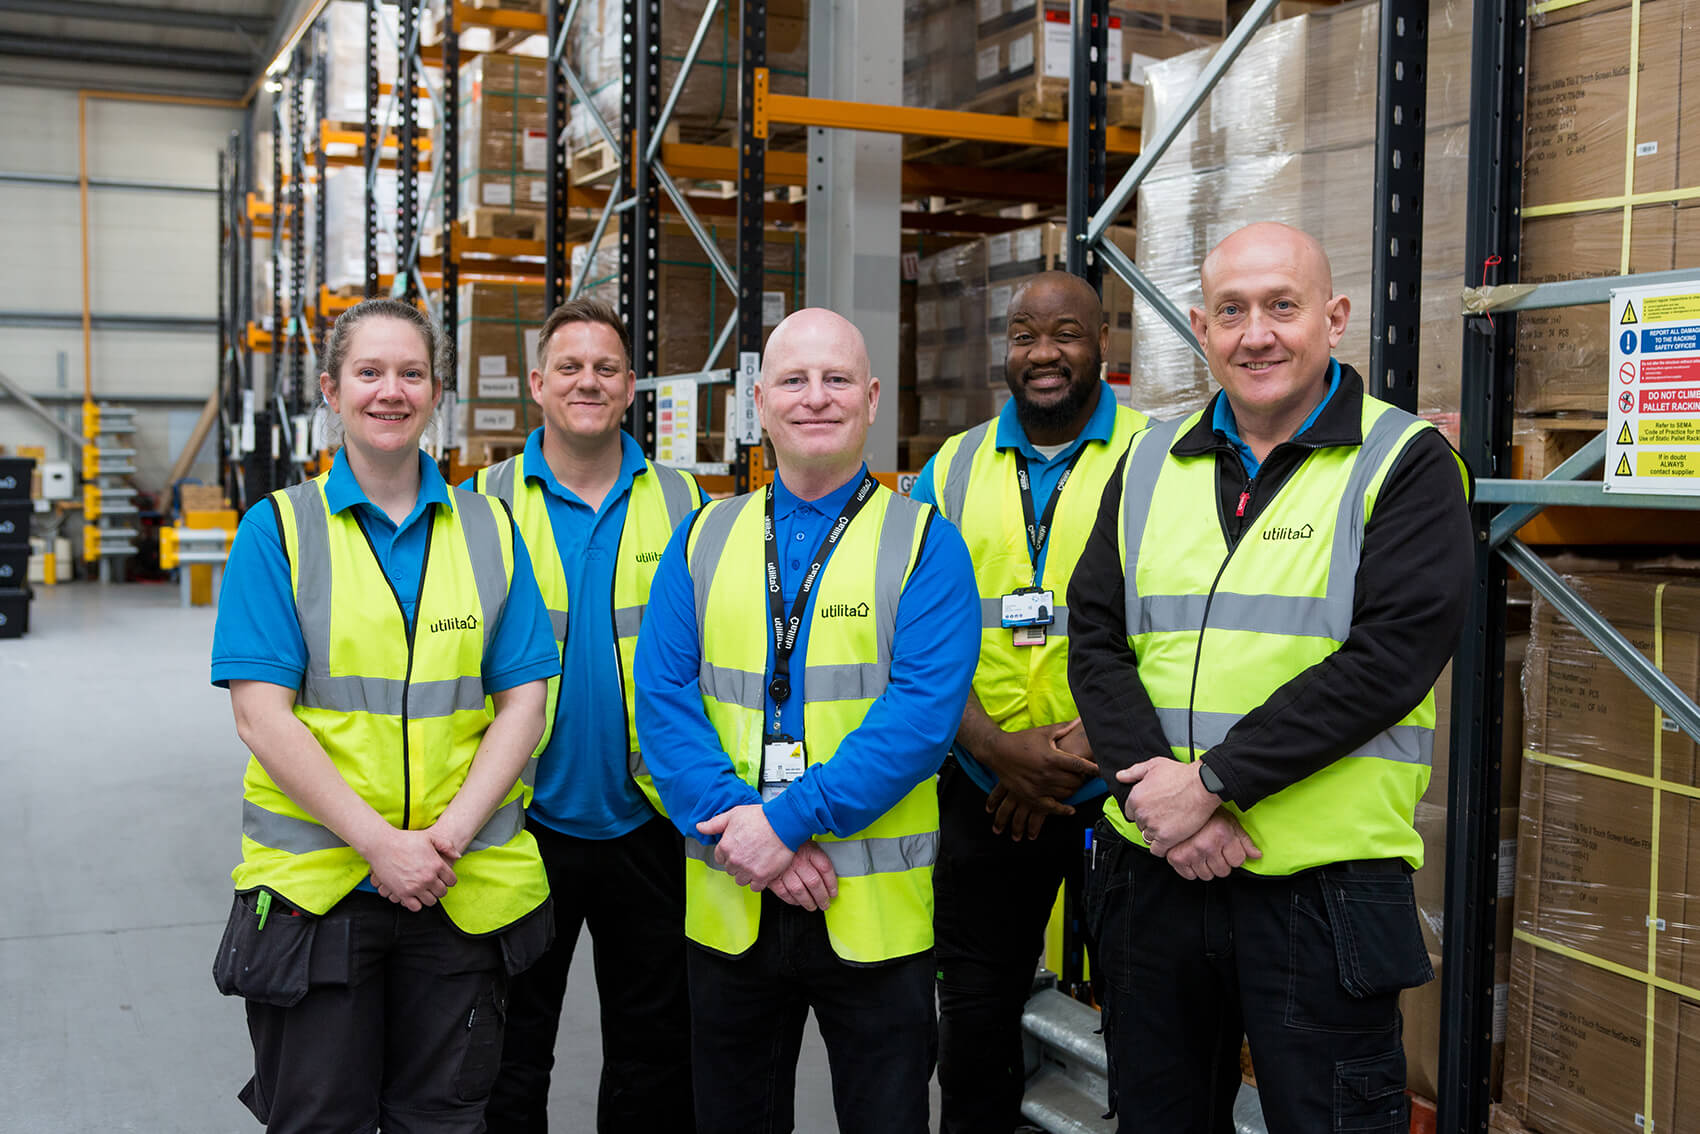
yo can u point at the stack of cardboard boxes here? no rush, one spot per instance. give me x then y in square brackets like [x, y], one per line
[495, 344]
[1289, 135]
[1604, 1013]
[1577, 149]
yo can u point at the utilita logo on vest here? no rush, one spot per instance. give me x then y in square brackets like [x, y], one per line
[647, 557]
[844, 610]
[470, 622]
[1289, 533]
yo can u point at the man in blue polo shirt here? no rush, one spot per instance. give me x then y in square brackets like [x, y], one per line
[596, 515]
[1024, 490]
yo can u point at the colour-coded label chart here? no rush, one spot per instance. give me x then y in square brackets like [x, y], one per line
[675, 421]
[1654, 430]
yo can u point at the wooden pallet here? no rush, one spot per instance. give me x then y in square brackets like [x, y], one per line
[1540, 444]
[594, 163]
[504, 224]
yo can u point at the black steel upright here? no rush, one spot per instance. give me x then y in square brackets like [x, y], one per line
[752, 189]
[408, 136]
[555, 262]
[1478, 671]
[294, 395]
[321, 111]
[374, 138]
[449, 154]
[640, 231]
[1087, 113]
[280, 222]
[1396, 304]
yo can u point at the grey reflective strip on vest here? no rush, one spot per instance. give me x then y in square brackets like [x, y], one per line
[715, 528]
[891, 567]
[1144, 462]
[312, 574]
[955, 499]
[734, 686]
[991, 618]
[676, 493]
[1405, 744]
[857, 858]
[636, 764]
[479, 520]
[385, 695]
[628, 620]
[558, 625]
[303, 836]
[499, 479]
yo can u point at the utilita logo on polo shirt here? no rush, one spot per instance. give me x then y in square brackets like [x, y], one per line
[1289, 533]
[844, 610]
[470, 622]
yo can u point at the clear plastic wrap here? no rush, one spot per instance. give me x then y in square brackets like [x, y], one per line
[951, 350]
[495, 346]
[345, 224]
[1608, 873]
[344, 22]
[504, 135]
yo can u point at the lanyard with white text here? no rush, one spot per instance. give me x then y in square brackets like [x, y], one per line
[785, 631]
[1038, 532]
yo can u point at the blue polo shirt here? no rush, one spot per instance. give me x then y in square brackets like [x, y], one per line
[1044, 473]
[584, 787]
[900, 742]
[1223, 424]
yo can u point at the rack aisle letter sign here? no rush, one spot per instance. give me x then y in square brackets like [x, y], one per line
[1653, 433]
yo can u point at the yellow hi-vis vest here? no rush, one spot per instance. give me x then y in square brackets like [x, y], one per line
[1216, 631]
[660, 500]
[400, 714]
[975, 485]
[884, 907]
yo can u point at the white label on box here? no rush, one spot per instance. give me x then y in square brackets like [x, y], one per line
[1021, 55]
[772, 307]
[498, 387]
[997, 300]
[492, 365]
[926, 367]
[1646, 149]
[1059, 49]
[1501, 1001]
[998, 249]
[990, 10]
[986, 62]
[498, 193]
[493, 420]
[247, 421]
[1029, 244]
[1136, 65]
[535, 149]
[540, 192]
[1507, 867]
[1113, 40]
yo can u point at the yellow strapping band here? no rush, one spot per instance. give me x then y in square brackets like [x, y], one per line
[1626, 200]
[1605, 773]
[1553, 6]
[1651, 980]
[1629, 129]
[1658, 775]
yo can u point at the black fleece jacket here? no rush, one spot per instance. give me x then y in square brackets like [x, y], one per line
[1408, 606]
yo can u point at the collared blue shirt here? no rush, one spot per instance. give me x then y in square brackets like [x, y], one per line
[900, 742]
[584, 787]
[1044, 473]
[1222, 421]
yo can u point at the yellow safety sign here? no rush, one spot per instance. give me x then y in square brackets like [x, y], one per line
[1660, 431]
[1623, 468]
[1628, 315]
[1624, 437]
[1667, 463]
[1669, 308]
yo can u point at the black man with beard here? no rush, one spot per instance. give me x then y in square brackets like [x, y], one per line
[1023, 488]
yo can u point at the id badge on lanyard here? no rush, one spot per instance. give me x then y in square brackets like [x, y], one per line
[782, 763]
[1027, 611]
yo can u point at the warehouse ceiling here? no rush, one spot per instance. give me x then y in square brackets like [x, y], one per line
[191, 46]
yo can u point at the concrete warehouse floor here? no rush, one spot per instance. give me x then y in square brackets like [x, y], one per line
[120, 787]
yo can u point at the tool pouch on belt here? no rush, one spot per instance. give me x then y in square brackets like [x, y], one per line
[1377, 940]
[529, 938]
[267, 950]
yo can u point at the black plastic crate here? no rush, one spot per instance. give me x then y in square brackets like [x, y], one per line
[15, 477]
[15, 521]
[14, 565]
[15, 612]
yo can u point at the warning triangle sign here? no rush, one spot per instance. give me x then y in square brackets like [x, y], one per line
[1628, 315]
[1623, 466]
[1624, 437]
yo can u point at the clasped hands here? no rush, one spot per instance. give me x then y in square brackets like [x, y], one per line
[756, 857]
[414, 868]
[1183, 821]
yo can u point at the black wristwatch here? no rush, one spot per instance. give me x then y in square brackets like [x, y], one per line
[1211, 781]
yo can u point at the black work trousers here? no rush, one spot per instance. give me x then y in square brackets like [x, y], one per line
[748, 1013]
[630, 890]
[993, 898]
[1307, 967]
[401, 1030]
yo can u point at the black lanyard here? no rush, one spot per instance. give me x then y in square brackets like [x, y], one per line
[785, 631]
[1038, 532]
